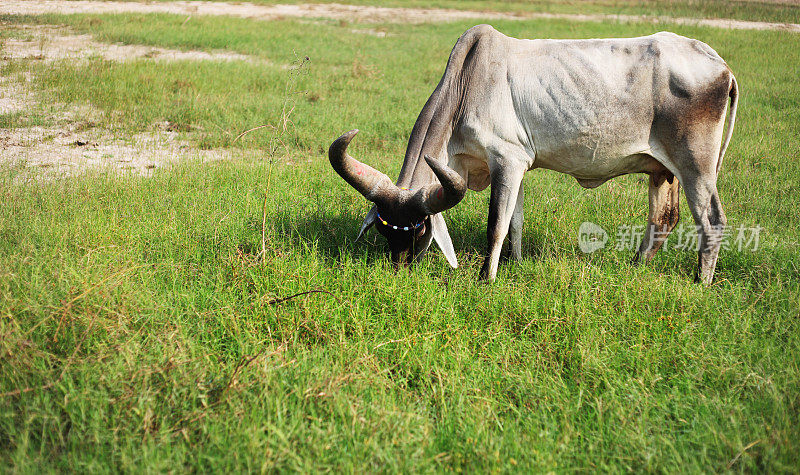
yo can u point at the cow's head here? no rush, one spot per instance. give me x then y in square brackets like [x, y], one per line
[402, 216]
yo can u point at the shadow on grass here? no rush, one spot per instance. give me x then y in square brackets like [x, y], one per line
[332, 233]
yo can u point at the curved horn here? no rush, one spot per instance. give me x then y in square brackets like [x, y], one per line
[438, 197]
[374, 185]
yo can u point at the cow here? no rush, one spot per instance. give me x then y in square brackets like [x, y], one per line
[593, 109]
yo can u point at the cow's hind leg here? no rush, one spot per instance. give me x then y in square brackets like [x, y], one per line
[690, 131]
[703, 200]
[663, 196]
[506, 182]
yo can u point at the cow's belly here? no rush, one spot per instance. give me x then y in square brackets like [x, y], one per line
[586, 157]
[590, 158]
[590, 155]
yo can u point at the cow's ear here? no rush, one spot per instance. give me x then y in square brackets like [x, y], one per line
[442, 238]
[372, 215]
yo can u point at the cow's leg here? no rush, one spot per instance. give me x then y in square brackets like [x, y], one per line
[663, 195]
[703, 200]
[506, 183]
[515, 227]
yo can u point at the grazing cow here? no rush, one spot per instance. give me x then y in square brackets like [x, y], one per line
[594, 109]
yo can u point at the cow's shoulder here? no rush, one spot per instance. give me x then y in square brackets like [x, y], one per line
[479, 35]
[481, 30]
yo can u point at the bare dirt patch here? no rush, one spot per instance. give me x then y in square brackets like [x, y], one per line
[54, 43]
[365, 14]
[73, 144]
[13, 97]
[73, 148]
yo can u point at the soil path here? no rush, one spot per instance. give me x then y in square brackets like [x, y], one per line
[366, 14]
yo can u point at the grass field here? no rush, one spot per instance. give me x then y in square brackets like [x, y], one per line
[142, 330]
[781, 11]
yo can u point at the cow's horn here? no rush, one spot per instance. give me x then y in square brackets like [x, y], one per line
[440, 197]
[374, 185]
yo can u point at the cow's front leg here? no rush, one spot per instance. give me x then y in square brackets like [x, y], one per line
[506, 184]
[515, 227]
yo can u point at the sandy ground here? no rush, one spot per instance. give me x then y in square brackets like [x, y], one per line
[366, 14]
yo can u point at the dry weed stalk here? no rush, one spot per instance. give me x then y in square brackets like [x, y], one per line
[277, 142]
[287, 108]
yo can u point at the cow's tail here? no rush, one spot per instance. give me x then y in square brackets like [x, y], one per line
[431, 128]
[734, 96]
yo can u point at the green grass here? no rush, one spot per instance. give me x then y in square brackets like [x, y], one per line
[139, 316]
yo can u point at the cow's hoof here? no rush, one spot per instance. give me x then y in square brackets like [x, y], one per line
[699, 279]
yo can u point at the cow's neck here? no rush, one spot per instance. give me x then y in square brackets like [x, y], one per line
[428, 137]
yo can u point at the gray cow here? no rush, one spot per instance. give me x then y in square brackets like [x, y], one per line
[593, 109]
